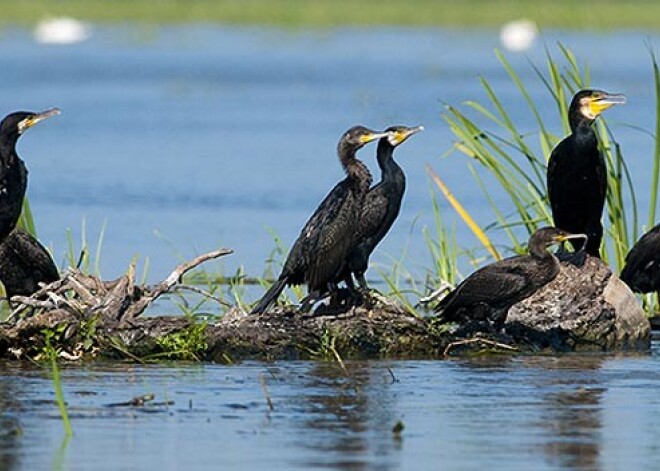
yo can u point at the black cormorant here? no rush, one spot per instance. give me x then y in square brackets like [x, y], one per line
[577, 177]
[13, 174]
[488, 293]
[24, 263]
[318, 256]
[642, 269]
[381, 205]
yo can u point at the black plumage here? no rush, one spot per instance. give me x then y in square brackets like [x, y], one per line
[488, 293]
[642, 269]
[13, 174]
[318, 256]
[577, 176]
[24, 263]
[381, 205]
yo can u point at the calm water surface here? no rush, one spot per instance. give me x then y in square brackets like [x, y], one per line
[188, 138]
[572, 412]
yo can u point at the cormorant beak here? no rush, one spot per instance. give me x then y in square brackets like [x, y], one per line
[365, 138]
[564, 237]
[605, 101]
[399, 136]
[30, 121]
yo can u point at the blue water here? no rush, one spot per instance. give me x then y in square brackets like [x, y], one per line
[184, 139]
[541, 413]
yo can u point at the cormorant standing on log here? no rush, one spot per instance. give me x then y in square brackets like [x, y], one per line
[24, 263]
[577, 177]
[318, 256]
[13, 174]
[381, 205]
[642, 269]
[488, 293]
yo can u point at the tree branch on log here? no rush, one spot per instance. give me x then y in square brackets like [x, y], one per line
[116, 300]
[141, 304]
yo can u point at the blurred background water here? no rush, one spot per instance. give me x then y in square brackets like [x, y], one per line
[182, 139]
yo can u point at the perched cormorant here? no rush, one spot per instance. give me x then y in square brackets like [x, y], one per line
[381, 205]
[318, 256]
[24, 263]
[642, 269]
[577, 177]
[13, 174]
[488, 293]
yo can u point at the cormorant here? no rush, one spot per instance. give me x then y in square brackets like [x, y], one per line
[642, 269]
[13, 174]
[577, 177]
[24, 263]
[381, 205]
[318, 256]
[488, 293]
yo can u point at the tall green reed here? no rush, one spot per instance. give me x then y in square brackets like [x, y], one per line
[51, 354]
[518, 164]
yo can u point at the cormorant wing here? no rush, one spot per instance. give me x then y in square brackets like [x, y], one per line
[645, 254]
[557, 157]
[373, 214]
[31, 255]
[326, 238]
[492, 284]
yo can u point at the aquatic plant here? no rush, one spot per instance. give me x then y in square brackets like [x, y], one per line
[51, 354]
[187, 344]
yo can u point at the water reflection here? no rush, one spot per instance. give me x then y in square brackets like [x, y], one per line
[574, 419]
[572, 410]
[348, 419]
[10, 429]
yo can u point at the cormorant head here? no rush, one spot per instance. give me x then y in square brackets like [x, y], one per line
[358, 136]
[589, 104]
[548, 236]
[398, 134]
[15, 124]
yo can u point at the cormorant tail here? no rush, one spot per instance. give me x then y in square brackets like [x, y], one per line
[270, 296]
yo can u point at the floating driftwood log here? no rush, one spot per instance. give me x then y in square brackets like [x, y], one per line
[584, 308]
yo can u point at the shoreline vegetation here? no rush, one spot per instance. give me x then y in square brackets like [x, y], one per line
[596, 15]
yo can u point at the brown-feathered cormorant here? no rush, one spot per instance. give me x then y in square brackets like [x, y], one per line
[488, 293]
[318, 256]
[577, 177]
[642, 269]
[381, 205]
[13, 174]
[24, 263]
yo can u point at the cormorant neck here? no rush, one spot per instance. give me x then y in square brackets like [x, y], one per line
[8, 150]
[578, 121]
[385, 155]
[354, 168]
[540, 251]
